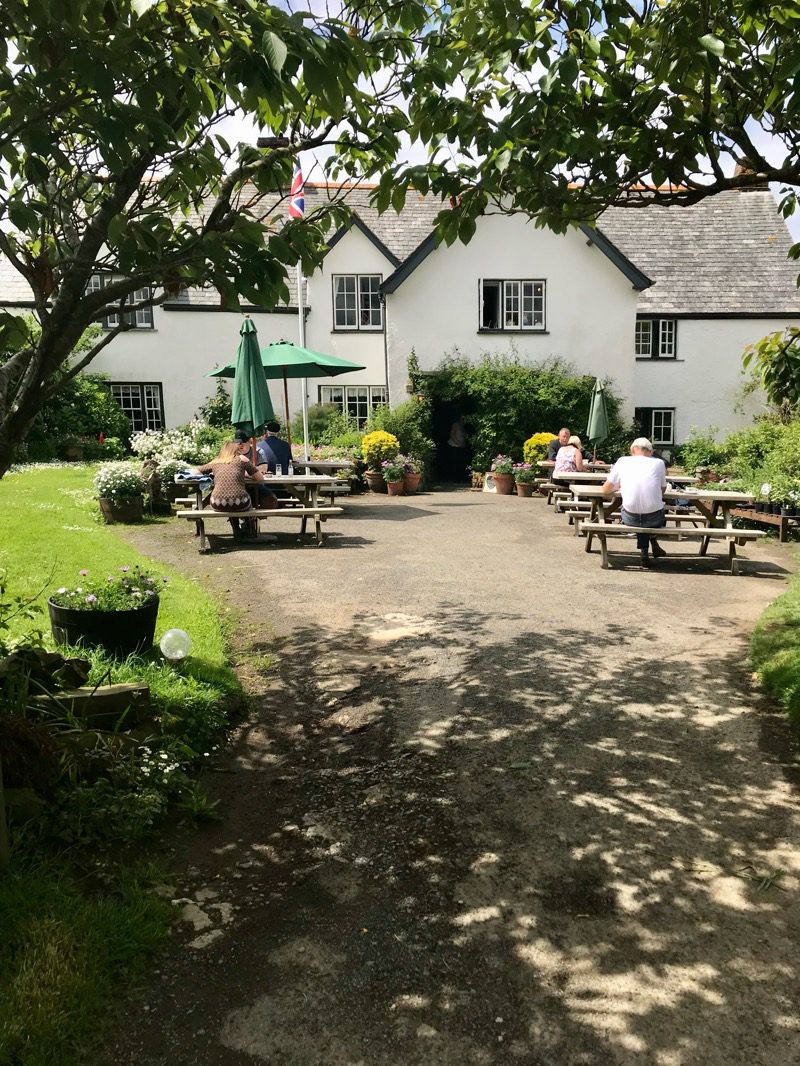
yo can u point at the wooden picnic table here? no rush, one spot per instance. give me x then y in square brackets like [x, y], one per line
[714, 504]
[548, 464]
[325, 466]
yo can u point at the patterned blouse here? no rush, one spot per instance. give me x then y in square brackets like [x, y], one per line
[229, 492]
[565, 460]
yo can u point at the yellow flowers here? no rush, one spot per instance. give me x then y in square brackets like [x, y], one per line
[535, 447]
[377, 446]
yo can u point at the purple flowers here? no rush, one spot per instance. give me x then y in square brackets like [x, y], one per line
[83, 573]
[91, 599]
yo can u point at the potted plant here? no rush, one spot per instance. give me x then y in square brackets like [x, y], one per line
[377, 447]
[166, 476]
[412, 475]
[120, 492]
[393, 471]
[117, 612]
[503, 473]
[73, 448]
[524, 477]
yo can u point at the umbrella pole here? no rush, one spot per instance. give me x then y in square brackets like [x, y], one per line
[286, 409]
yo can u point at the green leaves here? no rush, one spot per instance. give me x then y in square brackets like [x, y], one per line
[713, 45]
[275, 51]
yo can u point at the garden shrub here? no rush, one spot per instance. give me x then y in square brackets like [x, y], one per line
[410, 423]
[701, 449]
[320, 416]
[503, 399]
[217, 409]
[535, 448]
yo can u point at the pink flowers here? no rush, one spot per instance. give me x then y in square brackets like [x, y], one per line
[124, 569]
[91, 599]
[83, 573]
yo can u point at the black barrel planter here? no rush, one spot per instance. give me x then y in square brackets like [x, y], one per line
[120, 633]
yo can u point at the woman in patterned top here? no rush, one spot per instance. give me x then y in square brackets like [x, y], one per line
[229, 469]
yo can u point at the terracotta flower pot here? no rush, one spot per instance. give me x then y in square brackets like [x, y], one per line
[504, 484]
[395, 488]
[525, 489]
[411, 483]
[375, 482]
[124, 511]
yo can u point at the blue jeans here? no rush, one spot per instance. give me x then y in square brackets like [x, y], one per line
[654, 520]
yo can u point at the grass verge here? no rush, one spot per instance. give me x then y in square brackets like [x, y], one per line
[66, 953]
[775, 650]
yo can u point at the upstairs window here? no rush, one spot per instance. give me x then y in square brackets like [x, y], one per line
[656, 338]
[141, 318]
[357, 302]
[512, 305]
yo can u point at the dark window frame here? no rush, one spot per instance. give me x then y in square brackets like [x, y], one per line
[643, 417]
[501, 305]
[105, 279]
[359, 326]
[657, 325]
[141, 386]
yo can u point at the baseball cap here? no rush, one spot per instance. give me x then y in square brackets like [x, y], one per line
[241, 437]
[273, 427]
[642, 442]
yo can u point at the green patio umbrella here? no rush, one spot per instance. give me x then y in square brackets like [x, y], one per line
[597, 430]
[284, 360]
[251, 406]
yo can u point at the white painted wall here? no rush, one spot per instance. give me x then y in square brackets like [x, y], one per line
[181, 351]
[704, 382]
[590, 304]
[353, 254]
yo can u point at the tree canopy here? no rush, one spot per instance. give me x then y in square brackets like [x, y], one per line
[568, 106]
[113, 161]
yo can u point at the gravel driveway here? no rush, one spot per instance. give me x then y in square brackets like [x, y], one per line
[494, 805]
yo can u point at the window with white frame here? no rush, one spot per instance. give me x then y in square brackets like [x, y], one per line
[657, 423]
[512, 304]
[142, 403]
[141, 318]
[357, 302]
[357, 401]
[656, 338]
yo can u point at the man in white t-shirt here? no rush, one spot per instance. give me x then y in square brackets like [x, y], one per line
[641, 480]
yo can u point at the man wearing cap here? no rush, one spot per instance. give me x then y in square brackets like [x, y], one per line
[272, 450]
[641, 480]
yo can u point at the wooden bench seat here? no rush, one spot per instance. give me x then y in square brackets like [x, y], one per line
[604, 530]
[319, 514]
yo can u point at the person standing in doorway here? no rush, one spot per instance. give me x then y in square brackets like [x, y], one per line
[458, 450]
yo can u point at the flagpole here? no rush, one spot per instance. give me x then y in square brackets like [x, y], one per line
[301, 322]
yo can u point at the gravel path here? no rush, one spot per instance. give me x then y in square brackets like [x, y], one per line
[494, 805]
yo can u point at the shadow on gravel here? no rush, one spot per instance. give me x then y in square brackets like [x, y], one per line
[545, 853]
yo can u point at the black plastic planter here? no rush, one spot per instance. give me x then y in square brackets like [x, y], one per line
[788, 511]
[758, 507]
[120, 633]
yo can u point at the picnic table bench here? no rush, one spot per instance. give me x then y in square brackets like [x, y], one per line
[604, 530]
[204, 514]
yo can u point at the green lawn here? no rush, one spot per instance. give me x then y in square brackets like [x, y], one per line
[48, 533]
[775, 649]
[67, 952]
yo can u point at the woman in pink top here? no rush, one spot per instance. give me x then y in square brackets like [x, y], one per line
[569, 459]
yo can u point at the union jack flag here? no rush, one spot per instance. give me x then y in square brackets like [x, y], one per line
[297, 203]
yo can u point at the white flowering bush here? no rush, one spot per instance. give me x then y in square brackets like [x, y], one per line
[168, 468]
[163, 444]
[119, 483]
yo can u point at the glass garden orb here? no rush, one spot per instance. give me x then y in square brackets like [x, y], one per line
[175, 645]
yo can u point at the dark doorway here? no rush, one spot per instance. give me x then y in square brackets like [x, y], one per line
[452, 464]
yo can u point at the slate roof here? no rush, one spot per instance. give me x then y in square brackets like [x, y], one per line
[724, 255]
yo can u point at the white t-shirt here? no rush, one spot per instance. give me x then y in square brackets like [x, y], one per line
[641, 480]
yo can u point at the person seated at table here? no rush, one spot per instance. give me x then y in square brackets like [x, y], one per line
[273, 451]
[229, 470]
[641, 480]
[569, 460]
[561, 441]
